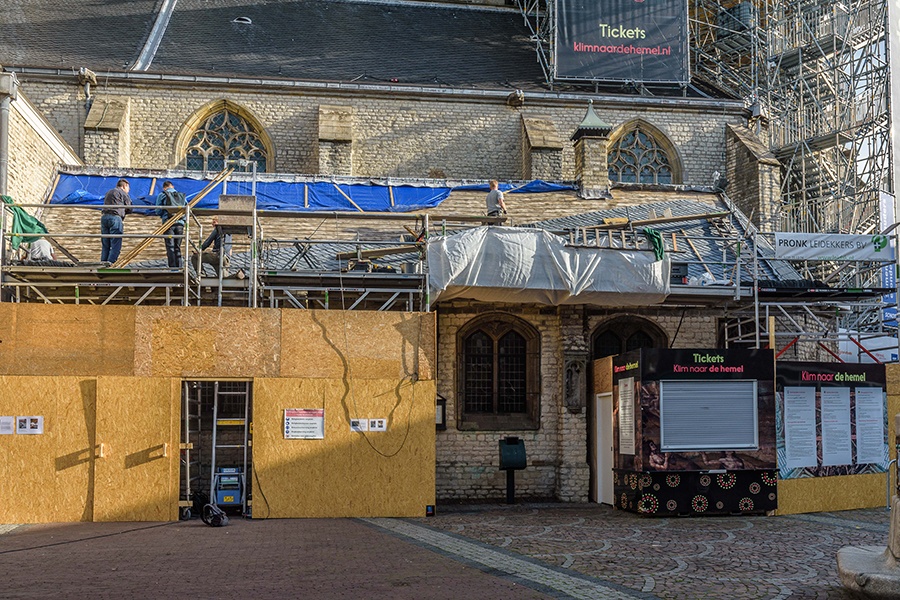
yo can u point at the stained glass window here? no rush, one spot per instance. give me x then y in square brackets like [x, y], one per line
[225, 136]
[637, 157]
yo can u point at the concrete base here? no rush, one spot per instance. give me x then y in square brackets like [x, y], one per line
[871, 571]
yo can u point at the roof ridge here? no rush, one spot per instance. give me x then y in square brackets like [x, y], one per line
[148, 51]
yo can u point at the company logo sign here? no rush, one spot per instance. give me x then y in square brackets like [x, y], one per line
[833, 246]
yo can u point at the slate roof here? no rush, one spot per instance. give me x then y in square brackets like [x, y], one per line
[350, 40]
[707, 239]
[335, 40]
[63, 34]
[368, 41]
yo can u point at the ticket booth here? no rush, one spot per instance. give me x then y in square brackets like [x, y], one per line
[694, 432]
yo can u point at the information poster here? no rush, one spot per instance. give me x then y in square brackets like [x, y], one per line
[626, 415]
[870, 446]
[836, 447]
[304, 423]
[831, 419]
[800, 426]
[7, 425]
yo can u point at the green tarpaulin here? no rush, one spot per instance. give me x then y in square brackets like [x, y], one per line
[22, 224]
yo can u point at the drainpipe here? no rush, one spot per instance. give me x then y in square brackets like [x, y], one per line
[9, 87]
[86, 77]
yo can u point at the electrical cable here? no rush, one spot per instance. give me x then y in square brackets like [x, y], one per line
[214, 516]
[677, 329]
[258, 487]
[349, 377]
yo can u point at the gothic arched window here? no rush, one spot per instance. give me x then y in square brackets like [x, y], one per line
[225, 135]
[639, 155]
[625, 334]
[499, 371]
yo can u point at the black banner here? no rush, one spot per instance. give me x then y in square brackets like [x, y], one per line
[730, 363]
[622, 40]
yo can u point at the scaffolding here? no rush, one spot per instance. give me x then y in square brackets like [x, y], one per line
[721, 265]
[827, 96]
[272, 271]
[815, 77]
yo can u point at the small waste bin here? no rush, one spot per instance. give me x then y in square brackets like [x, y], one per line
[512, 459]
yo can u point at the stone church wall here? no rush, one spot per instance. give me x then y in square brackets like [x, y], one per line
[394, 134]
[34, 162]
[467, 461]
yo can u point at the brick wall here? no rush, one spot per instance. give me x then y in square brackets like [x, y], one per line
[394, 135]
[467, 461]
[103, 148]
[31, 162]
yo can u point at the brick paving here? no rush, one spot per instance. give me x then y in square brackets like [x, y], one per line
[526, 552]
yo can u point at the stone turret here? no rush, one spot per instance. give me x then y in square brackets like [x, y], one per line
[591, 168]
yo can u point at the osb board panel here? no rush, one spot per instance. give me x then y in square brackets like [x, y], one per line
[137, 426]
[49, 339]
[825, 494]
[48, 477]
[346, 474]
[357, 344]
[603, 375]
[892, 373]
[207, 342]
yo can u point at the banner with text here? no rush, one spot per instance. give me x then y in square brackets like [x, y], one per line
[622, 40]
[831, 419]
[833, 246]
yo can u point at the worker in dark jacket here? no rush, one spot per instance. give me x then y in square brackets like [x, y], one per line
[116, 204]
[220, 251]
[175, 233]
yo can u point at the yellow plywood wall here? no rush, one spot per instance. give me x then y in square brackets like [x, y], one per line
[48, 477]
[47, 339]
[132, 359]
[363, 345]
[136, 479]
[207, 342]
[603, 375]
[825, 494]
[372, 474]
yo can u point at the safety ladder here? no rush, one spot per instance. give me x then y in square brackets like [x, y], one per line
[231, 413]
[190, 446]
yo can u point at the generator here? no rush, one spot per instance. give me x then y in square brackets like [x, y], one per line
[228, 486]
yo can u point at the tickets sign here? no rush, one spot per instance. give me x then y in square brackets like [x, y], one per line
[622, 40]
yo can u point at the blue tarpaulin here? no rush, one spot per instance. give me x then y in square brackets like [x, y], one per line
[277, 195]
[532, 187]
[280, 195]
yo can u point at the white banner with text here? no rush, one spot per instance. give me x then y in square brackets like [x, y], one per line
[833, 246]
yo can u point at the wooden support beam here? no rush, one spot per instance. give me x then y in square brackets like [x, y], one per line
[699, 257]
[376, 252]
[172, 217]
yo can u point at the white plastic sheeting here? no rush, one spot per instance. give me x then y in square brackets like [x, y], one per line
[506, 264]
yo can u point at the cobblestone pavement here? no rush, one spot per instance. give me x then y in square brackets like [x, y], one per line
[711, 557]
[519, 552]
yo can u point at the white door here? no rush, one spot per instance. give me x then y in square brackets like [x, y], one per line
[604, 431]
